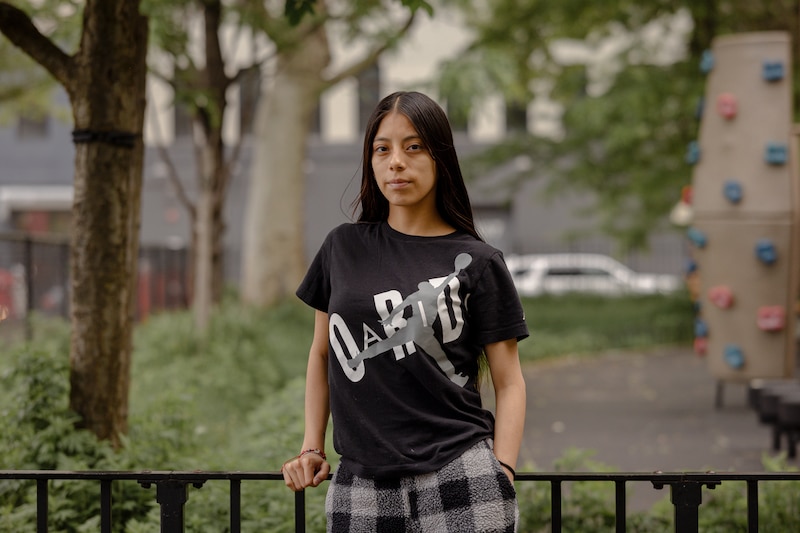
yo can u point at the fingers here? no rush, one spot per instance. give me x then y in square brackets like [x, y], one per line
[321, 475]
[307, 471]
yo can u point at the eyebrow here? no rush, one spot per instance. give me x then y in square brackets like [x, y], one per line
[408, 138]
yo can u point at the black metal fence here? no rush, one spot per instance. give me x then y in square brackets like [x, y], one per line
[172, 492]
[34, 278]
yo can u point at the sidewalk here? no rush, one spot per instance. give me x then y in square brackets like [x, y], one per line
[640, 413]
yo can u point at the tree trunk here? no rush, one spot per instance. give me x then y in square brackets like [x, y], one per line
[213, 175]
[208, 234]
[107, 93]
[273, 260]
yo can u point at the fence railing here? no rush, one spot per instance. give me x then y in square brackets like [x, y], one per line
[172, 492]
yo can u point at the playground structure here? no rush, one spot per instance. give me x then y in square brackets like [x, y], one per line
[745, 205]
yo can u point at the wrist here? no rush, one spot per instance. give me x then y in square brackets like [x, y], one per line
[316, 451]
[509, 468]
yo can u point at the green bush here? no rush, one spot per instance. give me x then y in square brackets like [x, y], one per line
[232, 399]
[224, 401]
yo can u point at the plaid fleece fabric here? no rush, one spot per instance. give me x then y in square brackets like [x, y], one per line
[470, 495]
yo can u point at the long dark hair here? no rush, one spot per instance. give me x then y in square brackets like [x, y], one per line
[433, 128]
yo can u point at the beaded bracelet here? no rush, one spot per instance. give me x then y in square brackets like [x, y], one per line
[513, 472]
[314, 450]
[306, 452]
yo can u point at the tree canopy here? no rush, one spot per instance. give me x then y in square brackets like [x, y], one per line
[627, 93]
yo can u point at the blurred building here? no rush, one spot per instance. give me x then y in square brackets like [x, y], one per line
[37, 165]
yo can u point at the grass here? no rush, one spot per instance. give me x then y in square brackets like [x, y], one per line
[584, 324]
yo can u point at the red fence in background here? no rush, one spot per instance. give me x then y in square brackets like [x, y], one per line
[34, 278]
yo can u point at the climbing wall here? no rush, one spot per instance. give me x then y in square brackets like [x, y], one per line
[744, 202]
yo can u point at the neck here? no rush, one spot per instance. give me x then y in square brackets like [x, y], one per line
[430, 225]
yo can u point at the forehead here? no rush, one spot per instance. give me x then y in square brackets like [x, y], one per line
[396, 125]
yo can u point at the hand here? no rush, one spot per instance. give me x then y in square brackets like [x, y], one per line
[308, 470]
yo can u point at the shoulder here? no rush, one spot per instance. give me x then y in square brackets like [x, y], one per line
[347, 231]
[479, 249]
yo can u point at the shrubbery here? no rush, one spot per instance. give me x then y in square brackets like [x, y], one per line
[233, 400]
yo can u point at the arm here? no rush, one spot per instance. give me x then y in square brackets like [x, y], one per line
[311, 469]
[509, 387]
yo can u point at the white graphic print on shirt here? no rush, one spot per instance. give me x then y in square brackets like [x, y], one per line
[404, 334]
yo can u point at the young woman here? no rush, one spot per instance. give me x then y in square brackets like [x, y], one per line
[410, 303]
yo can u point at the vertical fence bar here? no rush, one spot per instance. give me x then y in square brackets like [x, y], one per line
[555, 505]
[41, 506]
[752, 505]
[300, 511]
[621, 511]
[686, 499]
[236, 506]
[105, 506]
[172, 495]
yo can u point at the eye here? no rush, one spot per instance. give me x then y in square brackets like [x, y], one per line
[379, 149]
[415, 147]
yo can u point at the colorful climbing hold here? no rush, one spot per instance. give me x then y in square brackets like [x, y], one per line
[771, 318]
[766, 251]
[721, 296]
[734, 356]
[772, 71]
[701, 346]
[697, 237]
[727, 106]
[776, 153]
[732, 190]
[700, 328]
[693, 153]
[707, 62]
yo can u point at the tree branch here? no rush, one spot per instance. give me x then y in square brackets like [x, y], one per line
[17, 26]
[372, 56]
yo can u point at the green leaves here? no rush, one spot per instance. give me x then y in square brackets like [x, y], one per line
[414, 5]
[296, 9]
[628, 98]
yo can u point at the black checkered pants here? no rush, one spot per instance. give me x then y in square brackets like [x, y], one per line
[469, 495]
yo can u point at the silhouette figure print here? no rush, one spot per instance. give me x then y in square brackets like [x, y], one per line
[419, 326]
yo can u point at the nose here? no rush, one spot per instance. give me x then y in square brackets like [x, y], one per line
[397, 162]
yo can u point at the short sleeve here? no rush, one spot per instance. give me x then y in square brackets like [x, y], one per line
[494, 307]
[315, 289]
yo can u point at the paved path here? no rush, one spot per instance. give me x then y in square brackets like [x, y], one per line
[640, 413]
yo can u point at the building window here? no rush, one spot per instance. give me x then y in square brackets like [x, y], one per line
[183, 120]
[516, 117]
[369, 93]
[29, 127]
[316, 120]
[249, 92]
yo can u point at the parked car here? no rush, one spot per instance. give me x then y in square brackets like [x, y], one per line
[539, 274]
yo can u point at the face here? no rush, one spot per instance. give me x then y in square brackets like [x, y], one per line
[403, 167]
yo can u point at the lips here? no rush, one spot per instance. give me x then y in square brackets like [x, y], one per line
[398, 184]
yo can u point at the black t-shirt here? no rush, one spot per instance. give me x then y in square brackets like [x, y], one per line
[408, 319]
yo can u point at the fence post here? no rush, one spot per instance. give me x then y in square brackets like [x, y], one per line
[171, 495]
[686, 496]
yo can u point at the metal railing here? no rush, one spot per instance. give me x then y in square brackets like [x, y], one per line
[172, 492]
